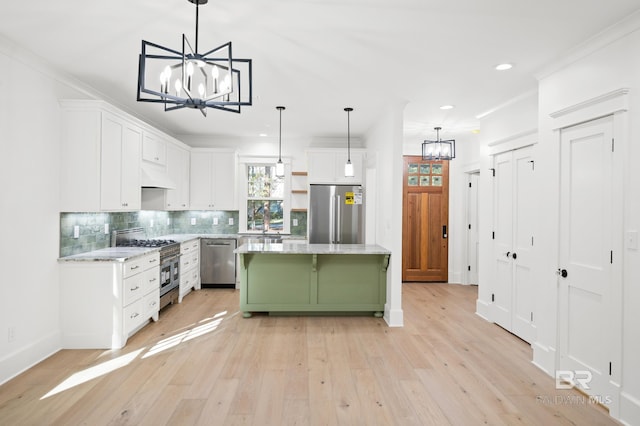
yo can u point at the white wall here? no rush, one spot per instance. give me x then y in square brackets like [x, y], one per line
[614, 65]
[607, 63]
[384, 144]
[501, 128]
[29, 217]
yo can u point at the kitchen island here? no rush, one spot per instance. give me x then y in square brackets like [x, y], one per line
[313, 278]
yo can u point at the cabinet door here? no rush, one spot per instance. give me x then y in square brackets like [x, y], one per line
[224, 178]
[111, 164]
[200, 182]
[120, 165]
[178, 170]
[154, 149]
[131, 191]
[322, 167]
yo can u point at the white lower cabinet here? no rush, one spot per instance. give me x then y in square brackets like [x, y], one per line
[189, 267]
[103, 303]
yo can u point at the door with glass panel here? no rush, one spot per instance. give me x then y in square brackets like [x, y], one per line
[425, 220]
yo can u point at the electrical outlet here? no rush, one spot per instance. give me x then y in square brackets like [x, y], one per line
[295, 222]
[106, 228]
[193, 220]
[76, 231]
[230, 221]
[150, 223]
[11, 334]
[168, 221]
[215, 220]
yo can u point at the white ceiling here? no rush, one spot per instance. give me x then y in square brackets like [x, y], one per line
[318, 56]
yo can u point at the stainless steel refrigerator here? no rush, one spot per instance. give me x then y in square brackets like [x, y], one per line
[336, 214]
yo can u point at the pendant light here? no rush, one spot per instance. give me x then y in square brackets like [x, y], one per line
[280, 164]
[348, 167]
[438, 149]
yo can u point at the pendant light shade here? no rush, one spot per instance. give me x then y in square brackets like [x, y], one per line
[280, 164]
[348, 167]
[438, 149]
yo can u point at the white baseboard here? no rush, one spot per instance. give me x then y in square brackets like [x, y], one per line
[24, 358]
[394, 318]
[544, 358]
[482, 309]
[629, 409]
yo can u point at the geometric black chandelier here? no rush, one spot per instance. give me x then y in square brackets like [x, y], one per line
[438, 149]
[193, 80]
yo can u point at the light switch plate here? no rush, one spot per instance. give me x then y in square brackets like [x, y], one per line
[193, 220]
[215, 220]
[106, 228]
[295, 222]
[76, 231]
[150, 223]
[230, 221]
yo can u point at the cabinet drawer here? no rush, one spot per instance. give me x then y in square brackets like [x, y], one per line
[133, 288]
[140, 264]
[190, 247]
[134, 315]
[189, 261]
[151, 302]
[151, 280]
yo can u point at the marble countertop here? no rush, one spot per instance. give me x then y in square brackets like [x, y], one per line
[122, 254]
[110, 254]
[273, 248]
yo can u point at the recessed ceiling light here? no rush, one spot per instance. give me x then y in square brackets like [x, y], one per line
[504, 67]
[447, 107]
[263, 135]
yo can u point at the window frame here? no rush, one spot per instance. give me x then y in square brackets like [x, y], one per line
[245, 162]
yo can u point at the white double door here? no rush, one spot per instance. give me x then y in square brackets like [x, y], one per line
[512, 301]
[589, 326]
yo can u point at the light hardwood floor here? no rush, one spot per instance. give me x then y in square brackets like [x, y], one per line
[203, 364]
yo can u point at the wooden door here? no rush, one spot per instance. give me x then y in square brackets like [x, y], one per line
[586, 283]
[425, 221]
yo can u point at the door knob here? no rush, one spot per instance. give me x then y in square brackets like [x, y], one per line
[562, 272]
[515, 256]
[508, 254]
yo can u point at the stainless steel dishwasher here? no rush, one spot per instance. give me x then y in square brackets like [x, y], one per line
[218, 262]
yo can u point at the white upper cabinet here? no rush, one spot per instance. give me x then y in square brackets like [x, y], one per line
[120, 164]
[178, 169]
[327, 166]
[100, 158]
[154, 148]
[213, 180]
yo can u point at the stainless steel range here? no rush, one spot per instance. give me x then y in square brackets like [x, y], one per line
[169, 260]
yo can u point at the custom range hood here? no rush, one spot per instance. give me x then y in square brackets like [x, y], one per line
[152, 177]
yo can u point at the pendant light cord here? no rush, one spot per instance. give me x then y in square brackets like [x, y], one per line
[348, 134]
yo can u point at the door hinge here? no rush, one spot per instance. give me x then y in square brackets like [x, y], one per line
[493, 297]
[469, 268]
[609, 368]
[613, 145]
[531, 240]
[531, 316]
[493, 235]
[469, 226]
[469, 184]
[533, 164]
[493, 172]
[611, 260]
